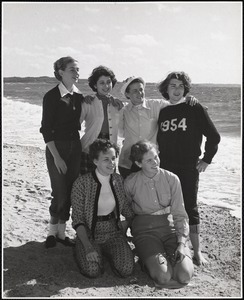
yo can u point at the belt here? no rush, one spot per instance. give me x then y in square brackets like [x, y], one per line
[106, 218]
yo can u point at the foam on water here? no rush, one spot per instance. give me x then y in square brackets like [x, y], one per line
[21, 123]
[224, 183]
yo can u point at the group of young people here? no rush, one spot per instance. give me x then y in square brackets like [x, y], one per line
[157, 184]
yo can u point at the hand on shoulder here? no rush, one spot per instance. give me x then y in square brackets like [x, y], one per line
[89, 98]
[191, 100]
[116, 102]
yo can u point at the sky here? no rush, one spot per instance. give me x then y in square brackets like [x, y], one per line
[147, 39]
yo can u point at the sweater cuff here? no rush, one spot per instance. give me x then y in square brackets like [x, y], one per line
[207, 160]
[77, 225]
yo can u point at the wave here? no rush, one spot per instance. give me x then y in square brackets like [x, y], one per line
[21, 122]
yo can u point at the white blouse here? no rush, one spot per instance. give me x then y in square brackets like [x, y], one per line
[106, 201]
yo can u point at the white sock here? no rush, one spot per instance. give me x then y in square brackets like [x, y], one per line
[53, 229]
[61, 230]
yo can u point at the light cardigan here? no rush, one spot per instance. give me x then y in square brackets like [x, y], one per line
[93, 116]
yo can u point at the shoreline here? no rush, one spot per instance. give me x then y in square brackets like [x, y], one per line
[233, 130]
[30, 270]
[208, 194]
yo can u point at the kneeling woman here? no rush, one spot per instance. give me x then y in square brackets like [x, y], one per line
[97, 200]
[160, 240]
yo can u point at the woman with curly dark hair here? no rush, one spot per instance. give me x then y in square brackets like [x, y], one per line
[101, 115]
[98, 199]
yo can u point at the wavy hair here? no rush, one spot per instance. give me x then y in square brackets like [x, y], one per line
[102, 145]
[139, 149]
[97, 73]
[182, 76]
[61, 64]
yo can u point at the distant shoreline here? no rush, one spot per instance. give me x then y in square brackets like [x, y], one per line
[47, 79]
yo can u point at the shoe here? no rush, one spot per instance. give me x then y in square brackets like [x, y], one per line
[66, 242]
[50, 241]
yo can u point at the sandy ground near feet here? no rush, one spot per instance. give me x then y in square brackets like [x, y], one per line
[30, 270]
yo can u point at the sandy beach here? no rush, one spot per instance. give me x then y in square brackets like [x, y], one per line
[30, 270]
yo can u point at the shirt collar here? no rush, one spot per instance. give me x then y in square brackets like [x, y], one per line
[143, 105]
[147, 179]
[64, 91]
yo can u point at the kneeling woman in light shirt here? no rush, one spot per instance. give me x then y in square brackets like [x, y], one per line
[160, 228]
[98, 200]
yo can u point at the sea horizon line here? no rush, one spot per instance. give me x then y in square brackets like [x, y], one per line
[15, 79]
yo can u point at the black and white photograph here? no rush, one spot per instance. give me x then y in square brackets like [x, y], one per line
[122, 149]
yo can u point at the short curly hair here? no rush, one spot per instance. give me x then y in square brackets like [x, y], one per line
[97, 73]
[102, 145]
[61, 64]
[139, 149]
[182, 76]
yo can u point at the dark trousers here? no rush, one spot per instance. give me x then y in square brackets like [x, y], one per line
[61, 184]
[189, 179]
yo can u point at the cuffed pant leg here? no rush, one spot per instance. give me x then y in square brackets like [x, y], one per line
[58, 185]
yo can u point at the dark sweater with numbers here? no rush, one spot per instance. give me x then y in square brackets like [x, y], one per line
[181, 129]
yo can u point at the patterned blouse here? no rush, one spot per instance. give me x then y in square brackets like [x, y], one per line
[84, 200]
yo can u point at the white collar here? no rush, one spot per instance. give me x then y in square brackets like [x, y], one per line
[63, 90]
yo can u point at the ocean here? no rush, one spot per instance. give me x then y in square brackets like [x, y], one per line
[22, 113]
